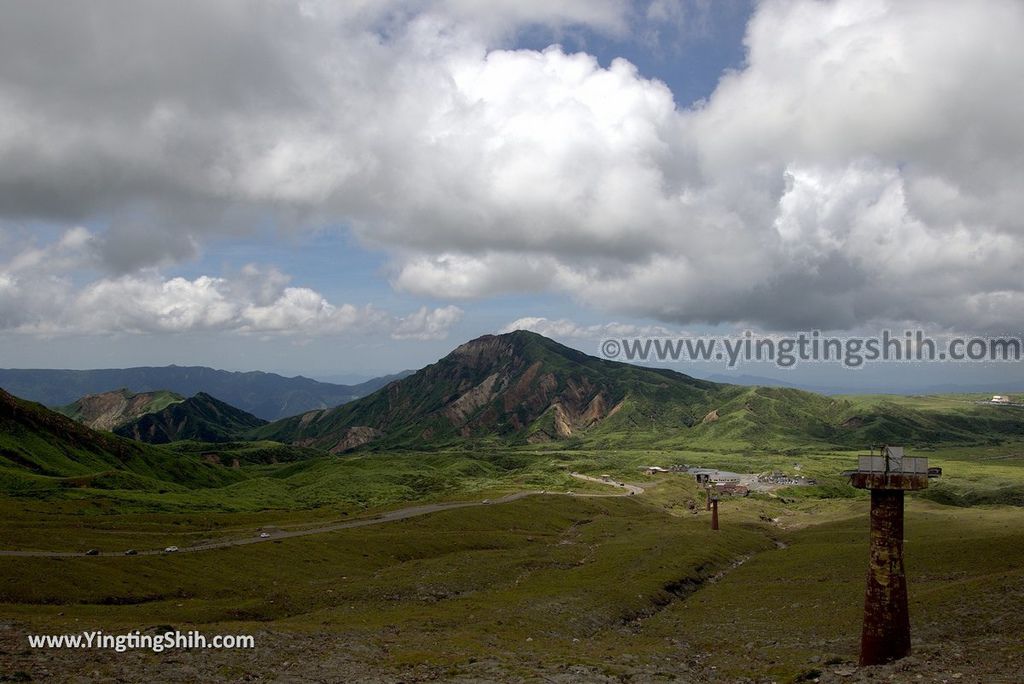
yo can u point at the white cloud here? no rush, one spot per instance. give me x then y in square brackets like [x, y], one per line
[427, 324]
[564, 328]
[864, 165]
[38, 296]
[861, 168]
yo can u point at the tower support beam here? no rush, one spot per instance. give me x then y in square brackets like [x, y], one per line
[886, 632]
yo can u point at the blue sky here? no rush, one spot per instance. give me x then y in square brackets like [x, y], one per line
[348, 190]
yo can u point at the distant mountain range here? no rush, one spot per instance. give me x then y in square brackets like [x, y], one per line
[495, 391]
[1003, 385]
[521, 388]
[265, 395]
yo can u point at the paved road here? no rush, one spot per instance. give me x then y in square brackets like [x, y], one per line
[390, 516]
[630, 489]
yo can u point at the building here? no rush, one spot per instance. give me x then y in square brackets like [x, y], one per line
[1000, 399]
[712, 475]
[654, 470]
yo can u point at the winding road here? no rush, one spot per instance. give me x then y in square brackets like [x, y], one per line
[389, 516]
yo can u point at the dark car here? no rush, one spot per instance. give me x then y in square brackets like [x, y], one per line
[92, 552]
[131, 552]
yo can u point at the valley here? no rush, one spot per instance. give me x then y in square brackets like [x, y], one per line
[458, 545]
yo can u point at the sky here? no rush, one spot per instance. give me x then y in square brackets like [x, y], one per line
[354, 188]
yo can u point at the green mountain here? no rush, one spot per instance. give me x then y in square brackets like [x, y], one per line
[519, 387]
[40, 449]
[267, 395]
[201, 418]
[110, 410]
[522, 388]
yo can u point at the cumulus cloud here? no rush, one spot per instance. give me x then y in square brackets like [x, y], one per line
[565, 328]
[863, 165]
[427, 324]
[860, 168]
[39, 295]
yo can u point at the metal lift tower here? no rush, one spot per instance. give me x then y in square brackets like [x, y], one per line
[887, 474]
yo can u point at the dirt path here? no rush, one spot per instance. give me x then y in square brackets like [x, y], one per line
[389, 516]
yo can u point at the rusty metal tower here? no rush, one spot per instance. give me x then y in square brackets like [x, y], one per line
[888, 474]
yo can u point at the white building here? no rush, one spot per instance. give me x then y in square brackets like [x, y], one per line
[1000, 399]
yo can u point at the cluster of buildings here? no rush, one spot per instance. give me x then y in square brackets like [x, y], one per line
[722, 481]
[777, 478]
[728, 483]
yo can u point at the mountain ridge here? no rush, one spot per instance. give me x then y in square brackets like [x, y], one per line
[202, 418]
[523, 388]
[110, 410]
[40, 449]
[266, 395]
[519, 386]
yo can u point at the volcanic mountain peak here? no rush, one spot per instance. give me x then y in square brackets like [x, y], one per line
[518, 386]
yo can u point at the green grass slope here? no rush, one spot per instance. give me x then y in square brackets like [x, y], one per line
[41, 449]
[202, 418]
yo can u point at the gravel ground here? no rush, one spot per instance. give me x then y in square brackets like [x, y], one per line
[332, 658]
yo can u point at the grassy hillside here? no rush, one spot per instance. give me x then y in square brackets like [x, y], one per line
[41, 450]
[201, 418]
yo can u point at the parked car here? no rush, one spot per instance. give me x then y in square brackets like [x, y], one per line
[264, 535]
[92, 552]
[487, 501]
[171, 549]
[131, 552]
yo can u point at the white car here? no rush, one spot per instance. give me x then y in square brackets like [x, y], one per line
[264, 535]
[171, 549]
[486, 501]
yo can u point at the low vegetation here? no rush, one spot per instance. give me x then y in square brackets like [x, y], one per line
[578, 581]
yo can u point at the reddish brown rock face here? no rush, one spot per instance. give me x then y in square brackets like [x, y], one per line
[886, 633]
